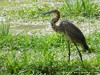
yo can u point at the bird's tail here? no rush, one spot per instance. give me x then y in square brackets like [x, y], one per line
[86, 47]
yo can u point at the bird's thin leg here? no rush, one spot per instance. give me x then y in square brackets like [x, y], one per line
[68, 51]
[78, 51]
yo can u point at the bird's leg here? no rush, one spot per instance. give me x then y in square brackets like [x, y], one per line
[68, 51]
[78, 51]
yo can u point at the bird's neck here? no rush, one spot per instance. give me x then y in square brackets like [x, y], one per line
[54, 20]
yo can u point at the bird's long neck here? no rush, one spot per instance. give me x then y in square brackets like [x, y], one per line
[54, 20]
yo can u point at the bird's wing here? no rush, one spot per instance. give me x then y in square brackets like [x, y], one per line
[71, 27]
[72, 31]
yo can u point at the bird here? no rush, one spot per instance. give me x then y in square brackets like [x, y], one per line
[71, 32]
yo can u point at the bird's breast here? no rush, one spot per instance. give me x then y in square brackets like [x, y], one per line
[67, 36]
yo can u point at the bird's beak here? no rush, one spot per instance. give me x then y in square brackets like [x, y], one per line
[49, 12]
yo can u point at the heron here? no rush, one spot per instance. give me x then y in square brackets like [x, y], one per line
[71, 32]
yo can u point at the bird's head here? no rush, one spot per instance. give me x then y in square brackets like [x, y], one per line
[54, 20]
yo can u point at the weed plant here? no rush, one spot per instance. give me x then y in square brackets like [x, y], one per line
[44, 55]
[4, 29]
[86, 8]
[69, 8]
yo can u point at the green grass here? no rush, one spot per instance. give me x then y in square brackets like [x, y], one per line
[32, 12]
[44, 55]
[86, 8]
[4, 29]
